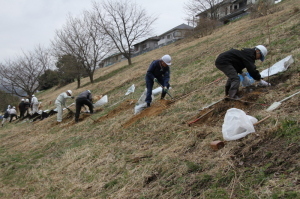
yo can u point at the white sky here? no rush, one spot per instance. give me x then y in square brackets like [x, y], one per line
[25, 24]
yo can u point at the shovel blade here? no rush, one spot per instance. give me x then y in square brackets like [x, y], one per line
[274, 106]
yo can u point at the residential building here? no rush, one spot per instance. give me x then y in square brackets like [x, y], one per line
[179, 32]
[228, 10]
[146, 45]
[112, 59]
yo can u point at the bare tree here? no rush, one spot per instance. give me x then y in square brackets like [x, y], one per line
[83, 39]
[20, 76]
[124, 22]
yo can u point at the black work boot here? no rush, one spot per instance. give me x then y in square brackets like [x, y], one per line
[148, 104]
[163, 95]
[232, 94]
[227, 90]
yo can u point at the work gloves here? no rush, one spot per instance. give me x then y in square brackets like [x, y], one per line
[165, 89]
[72, 97]
[155, 80]
[263, 83]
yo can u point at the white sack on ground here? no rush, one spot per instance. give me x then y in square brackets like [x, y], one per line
[158, 90]
[237, 124]
[280, 66]
[141, 104]
[130, 90]
[101, 102]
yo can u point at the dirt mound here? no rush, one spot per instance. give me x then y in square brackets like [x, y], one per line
[216, 113]
[128, 104]
[155, 109]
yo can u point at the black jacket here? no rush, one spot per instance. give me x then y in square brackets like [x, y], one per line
[85, 95]
[240, 59]
[22, 106]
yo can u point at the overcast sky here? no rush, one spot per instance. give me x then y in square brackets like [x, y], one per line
[25, 24]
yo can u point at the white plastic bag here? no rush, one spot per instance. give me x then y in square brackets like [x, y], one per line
[280, 66]
[100, 102]
[237, 124]
[130, 90]
[141, 104]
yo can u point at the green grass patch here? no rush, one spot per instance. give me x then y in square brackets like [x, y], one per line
[193, 167]
[289, 130]
[110, 184]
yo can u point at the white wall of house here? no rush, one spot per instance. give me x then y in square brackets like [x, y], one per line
[170, 37]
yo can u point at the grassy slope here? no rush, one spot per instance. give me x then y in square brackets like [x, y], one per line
[159, 156]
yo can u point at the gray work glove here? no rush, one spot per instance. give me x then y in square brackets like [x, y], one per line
[165, 89]
[263, 83]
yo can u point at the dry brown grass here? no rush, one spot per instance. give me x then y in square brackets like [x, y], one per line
[116, 154]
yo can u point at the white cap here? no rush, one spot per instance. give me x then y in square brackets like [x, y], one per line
[27, 100]
[14, 107]
[263, 52]
[69, 91]
[89, 91]
[32, 95]
[22, 100]
[166, 59]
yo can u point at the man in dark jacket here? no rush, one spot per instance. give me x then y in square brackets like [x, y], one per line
[234, 61]
[158, 70]
[27, 107]
[22, 108]
[84, 98]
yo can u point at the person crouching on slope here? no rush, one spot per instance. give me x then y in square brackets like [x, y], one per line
[60, 102]
[84, 98]
[6, 115]
[13, 113]
[234, 61]
[158, 71]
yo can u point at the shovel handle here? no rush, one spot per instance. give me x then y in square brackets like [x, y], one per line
[290, 96]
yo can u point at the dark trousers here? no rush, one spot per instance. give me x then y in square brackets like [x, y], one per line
[233, 81]
[81, 102]
[149, 85]
[22, 112]
[11, 117]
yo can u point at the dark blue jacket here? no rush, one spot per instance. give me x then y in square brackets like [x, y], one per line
[162, 74]
[240, 59]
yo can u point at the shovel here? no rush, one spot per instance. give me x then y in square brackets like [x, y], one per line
[277, 104]
[163, 88]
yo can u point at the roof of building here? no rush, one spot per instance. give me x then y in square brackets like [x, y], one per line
[155, 38]
[180, 27]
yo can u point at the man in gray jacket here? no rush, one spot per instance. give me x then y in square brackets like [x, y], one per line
[84, 98]
[60, 102]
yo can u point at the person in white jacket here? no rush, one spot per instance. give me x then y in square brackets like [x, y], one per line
[60, 102]
[34, 104]
[13, 113]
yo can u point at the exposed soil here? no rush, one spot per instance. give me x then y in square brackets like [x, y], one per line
[128, 104]
[155, 109]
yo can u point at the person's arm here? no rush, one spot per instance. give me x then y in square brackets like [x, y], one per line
[151, 70]
[166, 77]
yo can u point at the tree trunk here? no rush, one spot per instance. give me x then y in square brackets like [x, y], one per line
[78, 82]
[91, 77]
[129, 61]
